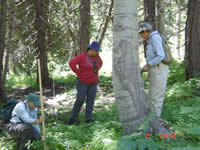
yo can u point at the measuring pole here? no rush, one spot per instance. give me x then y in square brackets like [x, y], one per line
[42, 103]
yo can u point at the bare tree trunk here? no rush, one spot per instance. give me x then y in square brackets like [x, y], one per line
[84, 30]
[108, 18]
[192, 53]
[161, 18]
[41, 42]
[149, 16]
[149, 12]
[3, 15]
[11, 11]
[128, 85]
[75, 39]
[179, 28]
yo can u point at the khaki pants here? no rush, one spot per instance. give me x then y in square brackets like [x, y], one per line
[158, 76]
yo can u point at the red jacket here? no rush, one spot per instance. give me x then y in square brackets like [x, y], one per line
[88, 67]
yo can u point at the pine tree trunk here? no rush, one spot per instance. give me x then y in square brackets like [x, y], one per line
[192, 53]
[128, 85]
[3, 15]
[149, 12]
[84, 30]
[41, 42]
[149, 16]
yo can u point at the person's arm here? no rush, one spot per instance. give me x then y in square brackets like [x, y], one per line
[100, 62]
[37, 121]
[157, 45]
[24, 116]
[74, 62]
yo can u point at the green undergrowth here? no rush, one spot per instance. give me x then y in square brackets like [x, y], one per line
[180, 111]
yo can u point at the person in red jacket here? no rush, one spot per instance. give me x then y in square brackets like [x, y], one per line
[86, 66]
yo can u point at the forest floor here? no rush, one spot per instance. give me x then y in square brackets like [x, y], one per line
[180, 112]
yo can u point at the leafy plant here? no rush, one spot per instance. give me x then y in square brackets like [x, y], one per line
[177, 73]
[136, 142]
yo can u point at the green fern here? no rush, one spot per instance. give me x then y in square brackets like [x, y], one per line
[136, 143]
[126, 143]
[186, 148]
[195, 132]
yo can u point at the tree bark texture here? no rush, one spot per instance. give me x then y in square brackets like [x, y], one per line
[41, 42]
[128, 85]
[108, 18]
[3, 16]
[192, 53]
[84, 29]
[149, 12]
[11, 12]
[161, 18]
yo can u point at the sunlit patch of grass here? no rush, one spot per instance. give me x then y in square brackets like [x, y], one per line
[21, 80]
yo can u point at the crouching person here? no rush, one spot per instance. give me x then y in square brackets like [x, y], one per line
[23, 125]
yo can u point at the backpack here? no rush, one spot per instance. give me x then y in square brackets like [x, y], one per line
[6, 110]
[168, 55]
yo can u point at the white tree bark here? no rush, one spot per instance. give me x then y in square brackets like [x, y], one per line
[128, 85]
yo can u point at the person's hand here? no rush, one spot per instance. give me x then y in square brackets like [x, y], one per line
[78, 72]
[41, 119]
[145, 68]
[43, 138]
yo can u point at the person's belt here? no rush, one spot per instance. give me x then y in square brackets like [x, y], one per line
[15, 122]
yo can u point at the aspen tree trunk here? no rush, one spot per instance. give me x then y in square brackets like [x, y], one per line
[128, 85]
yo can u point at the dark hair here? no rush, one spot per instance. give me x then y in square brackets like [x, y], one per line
[88, 49]
[145, 31]
[149, 30]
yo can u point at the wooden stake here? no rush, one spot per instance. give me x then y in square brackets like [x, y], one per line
[42, 103]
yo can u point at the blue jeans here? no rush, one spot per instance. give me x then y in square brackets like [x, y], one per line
[84, 90]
